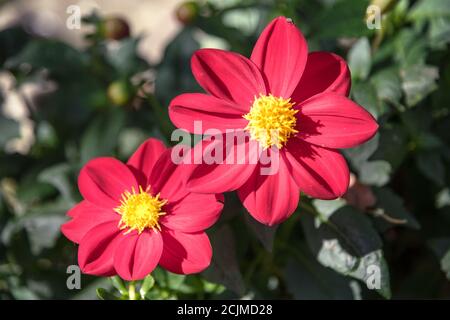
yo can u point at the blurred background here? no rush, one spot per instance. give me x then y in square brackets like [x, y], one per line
[82, 79]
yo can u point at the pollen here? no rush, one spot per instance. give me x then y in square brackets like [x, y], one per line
[140, 210]
[271, 120]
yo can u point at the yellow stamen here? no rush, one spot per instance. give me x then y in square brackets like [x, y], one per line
[140, 210]
[271, 120]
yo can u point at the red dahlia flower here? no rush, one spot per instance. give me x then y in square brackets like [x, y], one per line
[137, 215]
[283, 89]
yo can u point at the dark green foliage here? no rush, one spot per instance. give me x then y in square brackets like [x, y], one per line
[400, 73]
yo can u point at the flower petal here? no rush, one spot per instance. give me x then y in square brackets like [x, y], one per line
[228, 75]
[324, 72]
[144, 158]
[168, 178]
[103, 180]
[213, 113]
[334, 121]
[185, 253]
[228, 171]
[281, 53]
[270, 199]
[194, 213]
[319, 172]
[97, 247]
[138, 254]
[86, 216]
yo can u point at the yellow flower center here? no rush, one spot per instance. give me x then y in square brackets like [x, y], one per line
[271, 120]
[140, 210]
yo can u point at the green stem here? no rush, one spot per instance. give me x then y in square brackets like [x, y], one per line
[132, 291]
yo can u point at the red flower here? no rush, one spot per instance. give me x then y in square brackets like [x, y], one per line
[137, 215]
[283, 89]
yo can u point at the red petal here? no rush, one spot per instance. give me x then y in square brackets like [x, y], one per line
[77, 209]
[213, 113]
[324, 72]
[185, 253]
[194, 213]
[228, 75]
[319, 172]
[280, 53]
[334, 121]
[270, 199]
[103, 180]
[233, 168]
[96, 251]
[168, 178]
[86, 216]
[138, 254]
[144, 158]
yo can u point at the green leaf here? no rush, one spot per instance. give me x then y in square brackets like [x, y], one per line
[359, 59]
[42, 225]
[360, 154]
[147, 284]
[265, 234]
[23, 293]
[443, 198]
[439, 32]
[351, 22]
[334, 256]
[174, 281]
[353, 229]
[416, 121]
[392, 146]
[308, 280]
[129, 140]
[119, 285]
[349, 244]
[9, 129]
[392, 205]
[123, 57]
[431, 166]
[60, 59]
[174, 73]
[445, 264]
[430, 9]
[418, 82]
[101, 137]
[326, 208]
[441, 247]
[89, 291]
[224, 267]
[426, 141]
[387, 85]
[104, 294]
[410, 48]
[12, 40]
[365, 94]
[369, 172]
[58, 176]
[376, 173]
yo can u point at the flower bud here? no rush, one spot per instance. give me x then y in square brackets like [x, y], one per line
[187, 12]
[115, 28]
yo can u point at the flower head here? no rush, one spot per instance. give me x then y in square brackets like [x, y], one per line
[271, 120]
[286, 99]
[137, 215]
